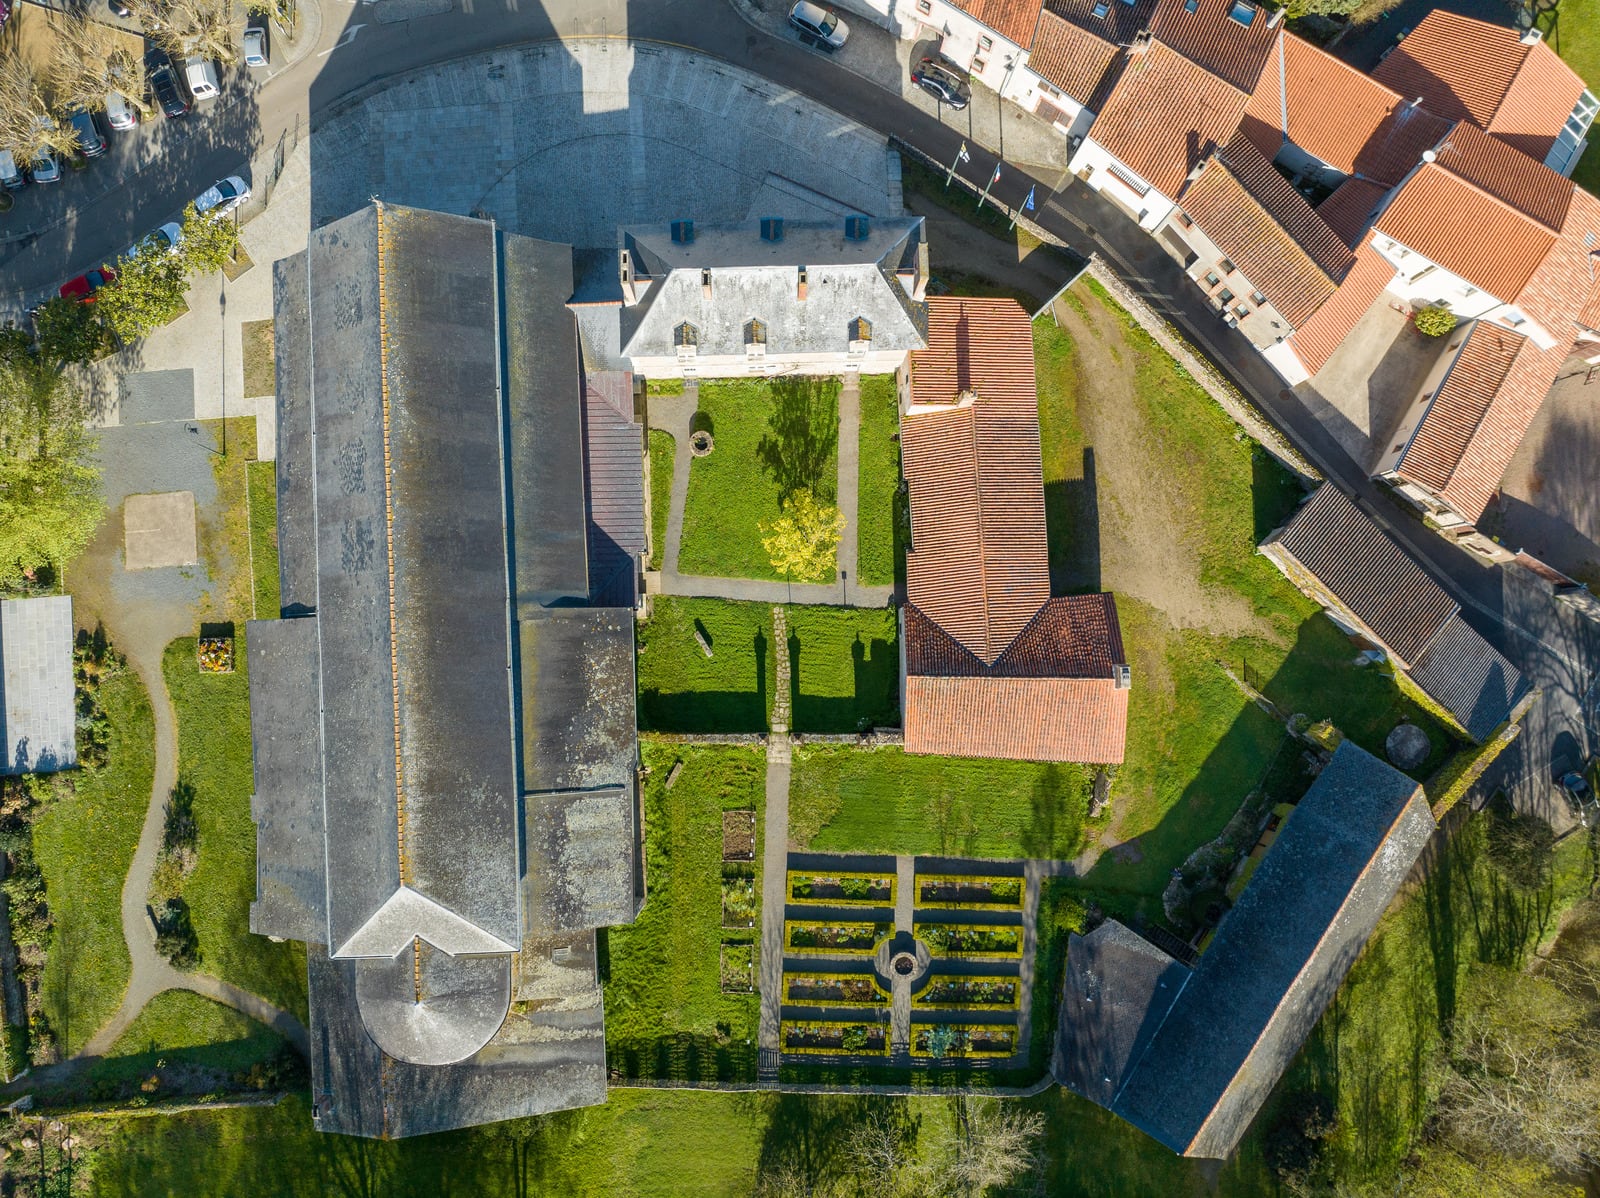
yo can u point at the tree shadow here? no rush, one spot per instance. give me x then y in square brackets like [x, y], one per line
[800, 447]
[1058, 807]
[810, 1139]
[874, 701]
[1274, 493]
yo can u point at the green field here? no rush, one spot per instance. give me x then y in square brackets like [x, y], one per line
[878, 548]
[662, 448]
[1573, 30]
[771, 436]
[844, 669]
[213, 714]
[83, 842]
[263, 479]
[845, 799]
[666, 1015]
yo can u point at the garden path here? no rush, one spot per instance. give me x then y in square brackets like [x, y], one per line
[849, 472]
[774, 861]
[673, 414]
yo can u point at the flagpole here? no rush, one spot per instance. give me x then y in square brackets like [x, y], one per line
[961, 156]
[992, 179]
[1027, 206]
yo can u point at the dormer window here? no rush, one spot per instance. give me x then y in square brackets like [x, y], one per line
[1244, 12]
[755, 338]
[687, 339]
[860, 335]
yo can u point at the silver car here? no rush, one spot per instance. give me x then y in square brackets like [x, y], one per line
[255, 46]
[223, 196]
[816, 23]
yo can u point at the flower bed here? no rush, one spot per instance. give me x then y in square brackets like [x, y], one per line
[954, 890]
[833, 1038]
[738, 968]
[831, 988]
[739, 906]
[215, 654]
[952, 1040]
[738, 835]
[971, 940]
[950, 992]
[871, 889]
[833, 937]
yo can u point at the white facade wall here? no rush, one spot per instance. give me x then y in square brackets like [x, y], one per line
[989, 58]
[744, 366]
[1092, 163]
[1282, 358]
[1422, 281]
[1027, 90]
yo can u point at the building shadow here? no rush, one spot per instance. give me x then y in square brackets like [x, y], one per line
[1072, 523]
[874, 701]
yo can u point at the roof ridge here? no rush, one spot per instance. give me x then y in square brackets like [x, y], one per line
[1489, 195]
[983, 539]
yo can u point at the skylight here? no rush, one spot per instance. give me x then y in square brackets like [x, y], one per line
[1101, 9]
[1191, 5]
[1244, 12]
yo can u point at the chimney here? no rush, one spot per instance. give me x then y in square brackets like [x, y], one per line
[629, 295]
[772, 228]
[705, 283]
[800, 286]
[683, 232]
[1124, 677]
[856, 228]
[1141, 42]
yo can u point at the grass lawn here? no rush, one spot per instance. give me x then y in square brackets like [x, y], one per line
[263, 483]
[845, 799]
[1154, 494]
[666, 1015]
[213, 714]
[83, 842]
[844, 667]
[772, 436]
[878, 543]
[260, 377]
[662, 447]
[1573, 31]
[224, 532]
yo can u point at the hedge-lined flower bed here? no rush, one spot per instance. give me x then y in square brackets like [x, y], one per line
[952, 1040]
[970, 992]
[876, 889]
[971, 940]
[739, 906]
[834, 1038]
[738, 968]
[956, 890]
[831, 988]
[833, 937]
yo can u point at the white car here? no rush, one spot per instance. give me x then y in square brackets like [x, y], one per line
[201, 75]
[815, 22]
[166, 237]
[222, 197]
[119, 113]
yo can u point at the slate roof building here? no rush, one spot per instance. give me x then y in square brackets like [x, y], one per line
[38, 706]
[1340, 557]
[443, 721]
[993, 666]
[763, 297]
[1189, 1055]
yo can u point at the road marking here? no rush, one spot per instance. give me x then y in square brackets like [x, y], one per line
[349, 36]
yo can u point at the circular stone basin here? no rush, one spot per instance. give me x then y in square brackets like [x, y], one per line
[905, 964]
[1407, 746]
[700, 443]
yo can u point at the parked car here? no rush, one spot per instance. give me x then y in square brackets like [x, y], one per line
[46, 168]
[5, 12]
[256, 46]
[171, 95]
[91, 142]
[166, 237]
[818, 26]
[119, 9]
[11, 176]
[120, 114]
[1580, 796]
[85, 285]
[223, 196]
[201, 76]
[942, 83]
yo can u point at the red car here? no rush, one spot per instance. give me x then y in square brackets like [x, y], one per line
[85, 285]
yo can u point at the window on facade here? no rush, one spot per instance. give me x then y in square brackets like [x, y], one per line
[1225, 296]
[1242, 311]
[924, 6]
[1258, 299]
[860, 334]
[1244, 12]
[1212, 278]
[755, 337]
[1118, 171]
[1183, 219]
[1048, 90]
[979, 66]
[1225, 266]
[986, 43]
[687, 338]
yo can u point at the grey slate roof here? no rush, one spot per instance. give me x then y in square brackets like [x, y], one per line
[1278, 957]
[1371, 575]
[38, 711]
[614, 460]
[752, 278]
[579, 728]
[1470, 678]
[297, 519]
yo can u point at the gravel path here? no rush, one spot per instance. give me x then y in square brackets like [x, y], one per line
[775, 862]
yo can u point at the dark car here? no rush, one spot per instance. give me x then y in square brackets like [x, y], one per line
[943, 84]
[85, 285]
[165, 84]
[91, 142]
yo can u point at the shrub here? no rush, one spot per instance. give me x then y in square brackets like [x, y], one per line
[1434, 321]
[180, 831]
[175, 936]
[855, 1038]
[855, 888]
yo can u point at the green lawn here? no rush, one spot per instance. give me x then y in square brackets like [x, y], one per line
[83, 842]
[224, 530]
[213, 714]
[666, 1015]
[844, 669]
[263, 482]
[845, 799]
[1573, 31]
[878, 547]
[771, 436]
[662, 447]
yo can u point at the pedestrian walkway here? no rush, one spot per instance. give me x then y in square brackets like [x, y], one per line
[775, 860]
[849, 454]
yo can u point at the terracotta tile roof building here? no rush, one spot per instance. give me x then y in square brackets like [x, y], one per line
[1315, 341]
[994, 666]
[1230, 39]
[1080, 53]
[1011, 19]
[1350, 210]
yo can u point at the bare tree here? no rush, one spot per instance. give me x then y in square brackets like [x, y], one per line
[995, 1144]
[87, 61]
[29, 125]
[188, 27]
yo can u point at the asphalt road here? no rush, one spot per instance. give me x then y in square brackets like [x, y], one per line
[354, 48]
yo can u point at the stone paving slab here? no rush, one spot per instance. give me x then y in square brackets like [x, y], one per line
[158, 531]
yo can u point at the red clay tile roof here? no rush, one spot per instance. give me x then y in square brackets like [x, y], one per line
[1430, 213]
[1473, 71]
[1214, 41]
[1076, 636]
[1527, 185]
[1349, 209]
[1480, 367]
[1562, 289]
[1397, 144]
[1316, 340]
[1267, 229]
[1011, 19]
[1165, 115]
[1025, 719]
[1080, 53]
[979, 565]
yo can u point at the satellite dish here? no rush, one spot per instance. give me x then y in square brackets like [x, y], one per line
[1429, 156]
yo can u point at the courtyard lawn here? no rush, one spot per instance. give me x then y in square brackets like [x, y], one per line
[878, 541]
[847, 799]
[683, 690]
[662, 447]
[225, 531]
[844, 668]
[263, 480]
[1154, 494]
[83, 842]
[771, 437]
[1573, 30]
[666, 1015]
[213, 716]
